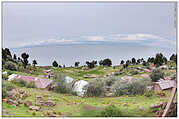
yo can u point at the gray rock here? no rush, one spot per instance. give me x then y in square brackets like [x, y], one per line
[37, 108]
[140, 108]
[49, 103]
[124, 104]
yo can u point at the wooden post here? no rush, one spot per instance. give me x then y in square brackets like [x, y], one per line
[173, 92]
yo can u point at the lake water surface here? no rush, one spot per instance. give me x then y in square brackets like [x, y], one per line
[69, 54]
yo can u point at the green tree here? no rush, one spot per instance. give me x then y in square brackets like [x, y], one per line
[133, 61]
[34, 62]
[122, 62]
[91, 64]
[158, 59]
[25, 57]
[55, 64]
[77, 64]
[156, 75]
[14, 57]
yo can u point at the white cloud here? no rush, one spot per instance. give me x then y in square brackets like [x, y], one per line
[145, 39]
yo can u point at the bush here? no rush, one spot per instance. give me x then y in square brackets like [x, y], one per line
[134, 72]
[110, 81]
[31, 84]
[173, 77]
[130, 88]
[20, 82]
[156, 75]
[4, 76]
[6, 86]
[95, 88]
[149, 94]
[10, 65]
[111, 111]
[60, 84]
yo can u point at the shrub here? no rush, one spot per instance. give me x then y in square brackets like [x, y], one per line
[130, 88]
[156, 75]
[60, 84]
[95, 88]
[6, 86]
[111, 111]
[10, 65]
[149, 93]
[110, 81]
[173, 77]
[20, 82]
[31, 84]
[4, 76]
[134, 72]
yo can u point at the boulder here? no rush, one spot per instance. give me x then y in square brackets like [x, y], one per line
[78, 87]
[140, 108]
[36, 108]
[12, 102]
[49, 103]
[68, 79]
[28, 103]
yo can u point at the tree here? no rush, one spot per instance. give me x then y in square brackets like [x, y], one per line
[55, 64]
[128, 62]
[25, 57]
[14, 57]
[138, 61]
[156, 75]
[106, 62]
[122, 62]
[133, 61]
[173, 58]
[158, 59]
[165, 60]
[101, 62]
[91, 64]
[77, 64]
[19, 59]
[6, 54]
[34, 62]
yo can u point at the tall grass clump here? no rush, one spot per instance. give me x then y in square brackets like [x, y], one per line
[96, 87]
[60, 84]
[136, 87]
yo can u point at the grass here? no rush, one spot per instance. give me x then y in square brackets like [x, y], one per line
[74, 104]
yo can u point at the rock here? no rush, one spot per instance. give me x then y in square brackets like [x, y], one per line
[37, 108]
[78, 87]
[109, 94]
[20, 101]
[21, 91]
[28, 103]
[140, 108]
[68, 79]
[49, 103]
[38, 101]
[90, 76]
[124, 104]
[156, 105]
[12, 102]
[4, 111]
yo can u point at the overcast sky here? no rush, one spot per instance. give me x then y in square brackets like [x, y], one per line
[35, 24]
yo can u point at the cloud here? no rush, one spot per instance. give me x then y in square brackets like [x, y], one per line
[142, 39]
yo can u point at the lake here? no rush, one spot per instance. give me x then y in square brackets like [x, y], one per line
[69, 54]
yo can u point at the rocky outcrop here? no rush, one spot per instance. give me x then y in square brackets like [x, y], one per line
[36, 108]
